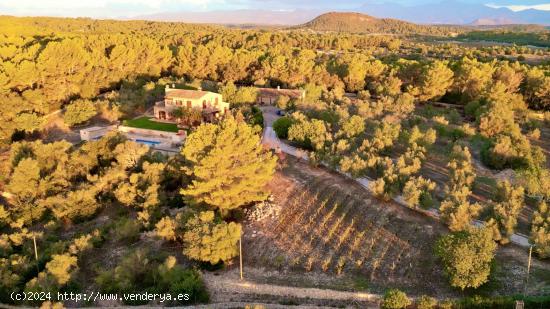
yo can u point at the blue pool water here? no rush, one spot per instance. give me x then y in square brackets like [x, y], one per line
[147, 142]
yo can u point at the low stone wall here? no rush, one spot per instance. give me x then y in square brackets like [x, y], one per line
[173, 137]
[92, 133]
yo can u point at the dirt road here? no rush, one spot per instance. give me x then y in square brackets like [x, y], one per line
[226, 287]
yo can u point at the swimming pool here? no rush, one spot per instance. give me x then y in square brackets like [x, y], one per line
[147, 142]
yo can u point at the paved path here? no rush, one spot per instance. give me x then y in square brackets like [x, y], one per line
[270, 139]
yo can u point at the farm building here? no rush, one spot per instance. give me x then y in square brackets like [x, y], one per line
[269, 95]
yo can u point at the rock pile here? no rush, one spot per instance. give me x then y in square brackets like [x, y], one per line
[263, 210]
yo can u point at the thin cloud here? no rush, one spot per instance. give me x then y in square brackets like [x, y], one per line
[517, 8]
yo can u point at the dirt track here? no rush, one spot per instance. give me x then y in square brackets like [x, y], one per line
[228, 288]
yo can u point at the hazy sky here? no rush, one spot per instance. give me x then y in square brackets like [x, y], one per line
[129, 8]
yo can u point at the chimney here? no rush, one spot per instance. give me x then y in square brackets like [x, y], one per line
[278, 88]
[174, 86]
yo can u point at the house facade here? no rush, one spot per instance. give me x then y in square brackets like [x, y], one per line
[209, 103]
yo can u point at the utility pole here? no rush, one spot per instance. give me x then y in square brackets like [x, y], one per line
[35, 248]
[241, 254]
[528, 269]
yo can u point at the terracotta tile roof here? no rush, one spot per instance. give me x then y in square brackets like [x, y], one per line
[271, 92]
[185, 94]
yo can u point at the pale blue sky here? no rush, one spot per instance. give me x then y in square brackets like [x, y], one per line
[129, 8]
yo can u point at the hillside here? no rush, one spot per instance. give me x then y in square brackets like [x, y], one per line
[362, 23]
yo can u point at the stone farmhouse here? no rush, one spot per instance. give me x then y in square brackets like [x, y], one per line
[268, 96]
[209, 103]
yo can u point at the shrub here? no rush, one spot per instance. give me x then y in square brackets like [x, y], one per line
[127, 230]
[446, 304]
[109, 111]
[141, 271]
[257, 117]
[61, 267]
[417, 192]
[166, 229]
[540, 230]
[534, 134]
[426, 302]
[395, 299]
[281, 126]
[310, 134]
[208, 240]
[507, 151]
[509, 203]
[472, 109]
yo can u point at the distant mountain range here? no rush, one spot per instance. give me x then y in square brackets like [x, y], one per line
[445, 12]
[238, 17]
[456, 12]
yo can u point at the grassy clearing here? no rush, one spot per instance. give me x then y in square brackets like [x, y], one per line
[145, 123]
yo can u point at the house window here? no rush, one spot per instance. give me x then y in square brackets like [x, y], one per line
[189, 104]
[203, 104]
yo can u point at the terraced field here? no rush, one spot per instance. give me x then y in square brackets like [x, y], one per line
[328, 224]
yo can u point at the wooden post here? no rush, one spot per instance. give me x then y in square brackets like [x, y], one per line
[529, 262]
[241, 255]
[35, 248]
[528, 270]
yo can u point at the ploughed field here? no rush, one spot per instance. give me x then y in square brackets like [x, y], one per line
[330, 225]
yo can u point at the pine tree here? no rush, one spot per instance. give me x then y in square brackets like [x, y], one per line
[228, 165]
[61, 267]
[79, 111]
[24, 185]
[473, 78]
[436, 79]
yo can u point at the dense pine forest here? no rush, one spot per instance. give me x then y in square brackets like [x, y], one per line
[47, 62]
[436, 124]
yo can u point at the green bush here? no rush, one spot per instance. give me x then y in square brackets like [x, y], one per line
[281, 126]
[127, 230]
[506, 152]
[472, 109]
[395, 299]
[257, 117]
[141, 271]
